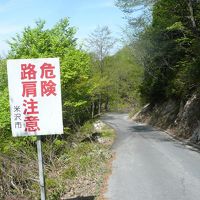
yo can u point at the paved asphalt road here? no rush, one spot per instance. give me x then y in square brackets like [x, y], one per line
[150, 165]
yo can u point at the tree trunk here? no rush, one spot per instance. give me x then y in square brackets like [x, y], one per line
[92, 109]
[106, 104]
[191, 10]
[99, 106]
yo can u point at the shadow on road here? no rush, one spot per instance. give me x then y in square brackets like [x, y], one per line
[141, 128]
[107, 117]
[149, 132]
[82, 198]
[189, 145]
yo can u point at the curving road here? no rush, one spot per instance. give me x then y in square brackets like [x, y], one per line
[150, 165]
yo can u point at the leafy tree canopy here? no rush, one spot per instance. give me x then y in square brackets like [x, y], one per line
[59, 41]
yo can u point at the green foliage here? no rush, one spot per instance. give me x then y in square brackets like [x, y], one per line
[179, 34]
[3, 74]
[4, 110]
[100, 42]
[125, 76]
[168, 49]
[40, 42]
[4, 121]
[107, 133]
[59, 41]
[4, 102]
[114, 80]
[75, 87]
[87, 128]
[70, 173]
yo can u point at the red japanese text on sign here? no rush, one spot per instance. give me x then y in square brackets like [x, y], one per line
[31, 107]
[48, 88]
[47, 71]
[31, 124]
[28, 71]
[29, 89]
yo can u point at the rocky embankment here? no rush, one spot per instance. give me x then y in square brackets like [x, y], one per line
[180, 118]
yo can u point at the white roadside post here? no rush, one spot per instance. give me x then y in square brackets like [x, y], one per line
[35, 102]
[41, 168]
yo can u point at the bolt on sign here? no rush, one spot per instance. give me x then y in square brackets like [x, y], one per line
[35, 96]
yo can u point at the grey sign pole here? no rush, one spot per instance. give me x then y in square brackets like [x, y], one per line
[41, 168]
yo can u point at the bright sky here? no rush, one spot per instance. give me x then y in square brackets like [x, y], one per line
[86, 15]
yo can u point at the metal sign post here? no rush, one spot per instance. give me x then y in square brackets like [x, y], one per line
[41, 168]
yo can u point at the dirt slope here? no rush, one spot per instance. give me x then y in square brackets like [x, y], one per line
[181, 118]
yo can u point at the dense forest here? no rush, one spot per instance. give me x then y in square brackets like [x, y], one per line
[159, 61]
[167, 39]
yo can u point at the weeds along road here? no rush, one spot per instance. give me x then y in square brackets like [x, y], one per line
[150, 165]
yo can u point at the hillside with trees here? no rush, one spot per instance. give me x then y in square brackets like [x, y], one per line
[168, 44]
